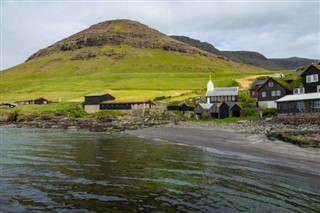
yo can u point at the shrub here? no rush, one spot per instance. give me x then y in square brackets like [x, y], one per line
[159, 98]
[71, 111]
[269, 112]
[246, 112]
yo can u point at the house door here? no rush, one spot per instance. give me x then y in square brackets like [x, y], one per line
[214, 115]
[235, 113]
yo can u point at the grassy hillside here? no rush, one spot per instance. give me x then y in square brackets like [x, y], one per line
[126, 71]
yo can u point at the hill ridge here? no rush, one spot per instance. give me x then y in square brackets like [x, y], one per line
[249, 57]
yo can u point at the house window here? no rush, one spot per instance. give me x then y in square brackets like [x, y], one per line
[300, 105]
[298, 91]
[253, 93]
[318, 88]
[263, 94]
[233, 98]
[312, 78]
[316, 104]
[273, 93]
[278, 93]
[270, 84]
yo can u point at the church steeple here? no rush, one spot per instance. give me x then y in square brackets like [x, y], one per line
[210, 86]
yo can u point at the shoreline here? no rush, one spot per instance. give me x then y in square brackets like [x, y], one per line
[246, 140]
[242, 145]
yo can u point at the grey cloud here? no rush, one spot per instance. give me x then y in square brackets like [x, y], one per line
[271, 28]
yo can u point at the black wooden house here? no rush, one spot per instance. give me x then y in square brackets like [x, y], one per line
[235, 109]
[311, 79]
[272, 90]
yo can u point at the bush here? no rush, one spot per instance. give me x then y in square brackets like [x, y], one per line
[71, 111]
[246, 112]
[159, 98]
[269, 112]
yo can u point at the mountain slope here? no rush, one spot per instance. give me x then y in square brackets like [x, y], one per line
[123, 57]
[248, 57]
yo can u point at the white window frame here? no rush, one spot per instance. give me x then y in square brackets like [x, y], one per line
[312, 78]
[270, 84]
[233, 98]
[273, 93]
[278, 92]
[297, 91]
[318, 88]
[264, 94]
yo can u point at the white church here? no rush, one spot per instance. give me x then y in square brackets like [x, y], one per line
[216, 95]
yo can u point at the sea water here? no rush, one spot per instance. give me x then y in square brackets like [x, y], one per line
[77, 171]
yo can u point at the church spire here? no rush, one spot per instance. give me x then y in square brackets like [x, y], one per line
[210, 86]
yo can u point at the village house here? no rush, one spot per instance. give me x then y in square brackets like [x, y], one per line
[272, 90]
[97, 102]
[216, 95]
[126, 105]
[135, 108]
[306, 98]
[92, 101]
[301, 103]
[215, 110]
[310, 79]
[35, 101]
[254, 88]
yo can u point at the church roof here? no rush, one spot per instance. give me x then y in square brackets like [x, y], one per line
[223, 91]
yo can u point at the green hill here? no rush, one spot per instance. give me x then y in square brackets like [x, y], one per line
[122, 57]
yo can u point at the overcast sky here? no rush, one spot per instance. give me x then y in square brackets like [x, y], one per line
[277, 29]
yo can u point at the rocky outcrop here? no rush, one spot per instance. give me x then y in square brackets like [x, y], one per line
[101, 124]
[7, 118]
[117, 32]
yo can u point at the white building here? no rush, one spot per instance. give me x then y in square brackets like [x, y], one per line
[216, 95]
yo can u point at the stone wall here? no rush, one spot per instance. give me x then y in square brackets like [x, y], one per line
[92, 108]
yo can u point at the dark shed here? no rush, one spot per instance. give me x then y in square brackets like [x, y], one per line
[235, 109]
[183, 107]
[220, 110]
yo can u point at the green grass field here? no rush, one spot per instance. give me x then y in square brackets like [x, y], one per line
[125, 72]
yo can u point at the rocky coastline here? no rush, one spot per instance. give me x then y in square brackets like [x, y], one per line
[302, 133]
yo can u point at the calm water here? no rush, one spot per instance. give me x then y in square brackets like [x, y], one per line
[60, 171]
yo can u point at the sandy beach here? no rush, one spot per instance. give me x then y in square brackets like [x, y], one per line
[239, 145]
